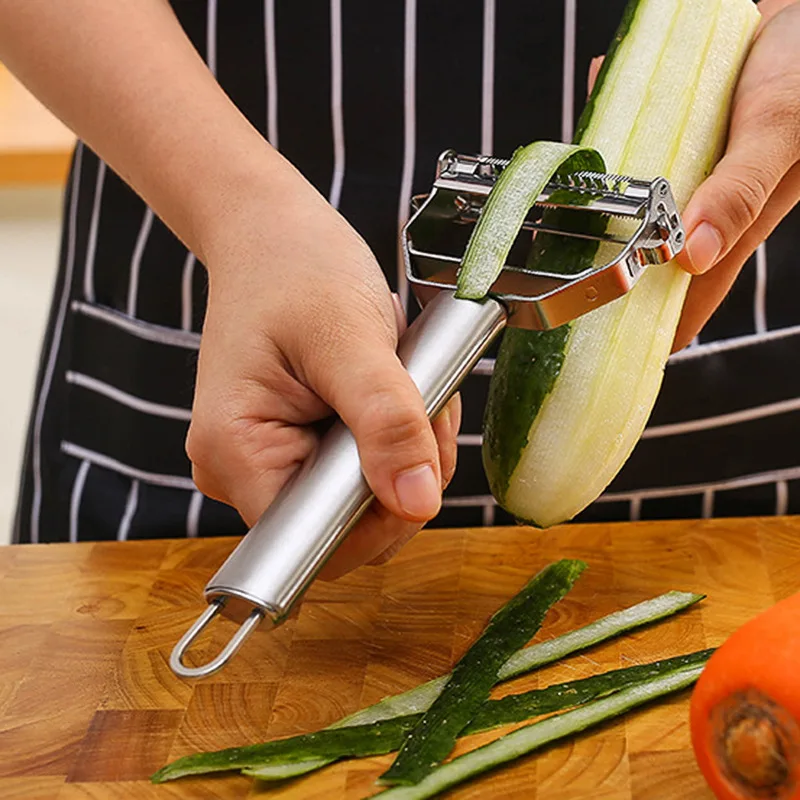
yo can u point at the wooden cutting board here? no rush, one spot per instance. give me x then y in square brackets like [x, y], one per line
[89, 707]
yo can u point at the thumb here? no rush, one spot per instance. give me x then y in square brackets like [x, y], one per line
[375, 397]
[594, 70]
[732, 198]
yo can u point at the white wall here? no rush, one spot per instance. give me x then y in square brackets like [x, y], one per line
[29, 236]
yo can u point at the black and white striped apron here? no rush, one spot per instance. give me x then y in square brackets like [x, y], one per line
[362, 97]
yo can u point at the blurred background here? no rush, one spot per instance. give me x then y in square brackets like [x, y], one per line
[35, 149]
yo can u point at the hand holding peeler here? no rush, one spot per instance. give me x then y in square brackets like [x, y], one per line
[278, 559]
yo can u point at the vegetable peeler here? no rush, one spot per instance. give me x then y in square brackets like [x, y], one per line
[277, 560]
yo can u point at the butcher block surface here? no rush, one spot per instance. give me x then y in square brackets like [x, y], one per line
[89, 707]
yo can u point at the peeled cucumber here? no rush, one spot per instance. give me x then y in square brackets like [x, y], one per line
[566, 407]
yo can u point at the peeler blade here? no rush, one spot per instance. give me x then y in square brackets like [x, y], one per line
[647, 230]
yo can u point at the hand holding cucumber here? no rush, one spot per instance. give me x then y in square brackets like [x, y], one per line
[757, 182]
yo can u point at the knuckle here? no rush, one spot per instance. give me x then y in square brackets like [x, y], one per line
[388, 422]
[208, 446]
[199, 444]
[207, 485]
[749, 191]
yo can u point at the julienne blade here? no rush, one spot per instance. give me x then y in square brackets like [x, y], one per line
[532, 737]
[381, 737]
[411, 704]
[474, 675]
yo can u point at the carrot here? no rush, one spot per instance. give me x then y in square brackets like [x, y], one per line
[745, 709]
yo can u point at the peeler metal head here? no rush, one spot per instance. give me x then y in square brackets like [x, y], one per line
[436, 236]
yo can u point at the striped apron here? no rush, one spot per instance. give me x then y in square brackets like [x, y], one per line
[362, 97]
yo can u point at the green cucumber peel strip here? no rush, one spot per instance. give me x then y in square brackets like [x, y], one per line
[601, 630]
[508, 629]
[387, 735]
[520, 183]
[476, 672]
[526, 660]
[521, 707]
[532, 737]
[378, 738]
[417, 700]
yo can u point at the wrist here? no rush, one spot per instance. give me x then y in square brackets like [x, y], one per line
[244, 204]
[231, 191]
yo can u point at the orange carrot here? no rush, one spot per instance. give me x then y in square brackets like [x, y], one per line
[745, 710]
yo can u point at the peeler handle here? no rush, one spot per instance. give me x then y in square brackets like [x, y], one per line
[278, 559]
[280, 556]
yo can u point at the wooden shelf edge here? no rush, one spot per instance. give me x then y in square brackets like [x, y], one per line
[34, 168]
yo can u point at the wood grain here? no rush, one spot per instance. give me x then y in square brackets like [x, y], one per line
[89, 707]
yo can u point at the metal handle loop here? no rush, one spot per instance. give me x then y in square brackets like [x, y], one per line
[217, 663]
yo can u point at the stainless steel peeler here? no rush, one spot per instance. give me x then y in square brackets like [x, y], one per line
[278, 559]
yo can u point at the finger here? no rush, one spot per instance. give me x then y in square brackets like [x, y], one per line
[394, 537]
[399, 314]
[379, 535]
[763, 145]
[445, 428]
[247, 467]
[594, 70]
[730, 201]
[247, 435]
[357, 372]
[769, 8]
[376, 532]
[707, 291]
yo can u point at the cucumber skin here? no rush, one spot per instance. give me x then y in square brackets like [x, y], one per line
[388, 735]
[529, 362]
[527, 366]
[473, 676]
[501, 218]
[517, 390]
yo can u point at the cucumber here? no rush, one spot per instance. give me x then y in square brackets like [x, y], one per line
[567, 406]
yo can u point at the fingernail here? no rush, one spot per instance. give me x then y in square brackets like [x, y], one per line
[703, 247]
[418, 492]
